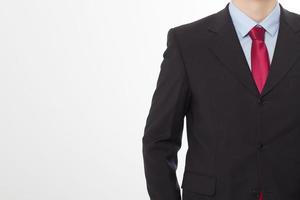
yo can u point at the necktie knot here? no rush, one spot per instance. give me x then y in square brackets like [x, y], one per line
[257, 33]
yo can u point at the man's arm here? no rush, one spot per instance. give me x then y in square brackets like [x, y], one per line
[164, 125]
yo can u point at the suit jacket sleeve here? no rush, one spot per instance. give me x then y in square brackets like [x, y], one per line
[164, 124]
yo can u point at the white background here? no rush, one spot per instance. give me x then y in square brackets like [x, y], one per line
[76, 81]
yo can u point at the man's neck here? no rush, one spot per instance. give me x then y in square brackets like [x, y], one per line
[255, 9]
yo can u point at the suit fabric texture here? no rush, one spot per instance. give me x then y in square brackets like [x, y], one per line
[240, 141]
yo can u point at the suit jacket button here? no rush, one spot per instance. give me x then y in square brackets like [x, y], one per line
[255, 193]
[260, 101]
[260, 147]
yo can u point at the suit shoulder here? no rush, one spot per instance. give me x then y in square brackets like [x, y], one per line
[197, 25]
[293, 19]
[295, 15]
[194, 28]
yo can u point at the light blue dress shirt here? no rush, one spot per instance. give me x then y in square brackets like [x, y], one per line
[243, 24]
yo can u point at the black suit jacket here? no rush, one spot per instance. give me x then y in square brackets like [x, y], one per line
[239, 141]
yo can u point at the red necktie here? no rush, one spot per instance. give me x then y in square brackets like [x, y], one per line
[259, 57]
[260, 196]
[259, 62]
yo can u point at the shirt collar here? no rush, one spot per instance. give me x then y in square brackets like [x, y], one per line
[244, 24]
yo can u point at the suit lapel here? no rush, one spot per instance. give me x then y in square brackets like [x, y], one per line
[287, 50]
[226, 46]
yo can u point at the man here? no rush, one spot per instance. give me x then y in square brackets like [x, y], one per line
[235, 76]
